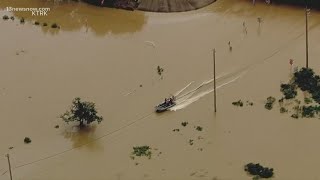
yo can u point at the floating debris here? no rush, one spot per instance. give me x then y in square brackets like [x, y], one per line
[238, 103]
[54, 25]
[199, 138]
[160, 70]
[36, 23]
[249, 103]
[199, 128]
[5, 17]
[176, 130]
[184, 124]
[295, 116]
[191, 142]
[45, 24]
[151, 43]
[27, 140]
[22, 21]
[12, 18]
[56, 126]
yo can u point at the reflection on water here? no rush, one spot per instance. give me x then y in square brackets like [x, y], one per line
[84, 136]
[74, 16]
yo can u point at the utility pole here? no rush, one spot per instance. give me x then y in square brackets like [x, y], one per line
[9, 166]
[214, 80]
[307, 43]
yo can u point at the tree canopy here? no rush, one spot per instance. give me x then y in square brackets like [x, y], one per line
[82, 111]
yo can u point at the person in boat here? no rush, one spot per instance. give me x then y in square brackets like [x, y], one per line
[171, 100]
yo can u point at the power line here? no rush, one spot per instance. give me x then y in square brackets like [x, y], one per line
[65, 151]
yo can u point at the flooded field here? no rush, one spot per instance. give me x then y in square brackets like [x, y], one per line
[110, 57]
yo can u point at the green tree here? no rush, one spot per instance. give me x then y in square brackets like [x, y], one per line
[84, 112]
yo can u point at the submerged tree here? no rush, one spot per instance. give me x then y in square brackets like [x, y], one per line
[84, 112]
[289, 90]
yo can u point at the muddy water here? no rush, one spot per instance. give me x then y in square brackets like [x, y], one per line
[104, 55]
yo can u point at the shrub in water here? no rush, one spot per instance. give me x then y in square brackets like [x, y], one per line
[283, 110]
[305, 79]
[307, 100]
[270, 102]
[258, 170]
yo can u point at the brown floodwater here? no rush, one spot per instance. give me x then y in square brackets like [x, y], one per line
[104, 55]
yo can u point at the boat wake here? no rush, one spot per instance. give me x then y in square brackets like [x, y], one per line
[205, 88]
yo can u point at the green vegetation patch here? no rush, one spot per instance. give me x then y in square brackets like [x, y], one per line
[308, 100]
[142, 151]
[310, 111]
[289, 90]
[258, 171]
[283, 110]
[308, 82]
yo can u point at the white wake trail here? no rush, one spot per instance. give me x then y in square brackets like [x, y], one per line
[177, 93]
[189, 99]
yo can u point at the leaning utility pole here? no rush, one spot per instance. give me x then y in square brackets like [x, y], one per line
[9, 166]
[214, 80]
[307, 43]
